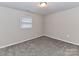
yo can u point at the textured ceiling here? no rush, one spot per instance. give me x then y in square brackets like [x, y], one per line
[52, 7]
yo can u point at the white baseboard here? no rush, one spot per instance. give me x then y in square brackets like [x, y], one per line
[19, 42]
[37, 37]
[63, 40]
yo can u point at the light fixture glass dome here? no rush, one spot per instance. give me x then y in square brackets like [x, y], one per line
[43, 4]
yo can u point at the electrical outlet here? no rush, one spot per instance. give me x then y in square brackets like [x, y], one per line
[67, 36]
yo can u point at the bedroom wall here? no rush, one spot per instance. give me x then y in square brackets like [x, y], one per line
[10, 31]
[63, 25]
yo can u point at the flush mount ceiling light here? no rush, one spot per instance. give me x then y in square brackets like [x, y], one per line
[43, 4]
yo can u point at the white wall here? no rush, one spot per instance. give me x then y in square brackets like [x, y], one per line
[58, 25]
[63, 25]
[10, 31]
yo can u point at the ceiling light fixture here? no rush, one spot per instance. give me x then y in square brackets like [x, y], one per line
[43, 4]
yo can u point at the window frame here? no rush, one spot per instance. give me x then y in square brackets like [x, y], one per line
[27, 24]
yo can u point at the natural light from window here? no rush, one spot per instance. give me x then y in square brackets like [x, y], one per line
[26, 22]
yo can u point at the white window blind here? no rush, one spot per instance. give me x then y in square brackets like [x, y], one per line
[26, 22]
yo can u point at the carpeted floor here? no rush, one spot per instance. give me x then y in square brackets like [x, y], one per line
[42, 46]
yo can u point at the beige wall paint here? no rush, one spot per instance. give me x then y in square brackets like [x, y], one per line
[10, 31]
[63, 25]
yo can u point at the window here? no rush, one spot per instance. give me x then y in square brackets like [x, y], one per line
[26, 22]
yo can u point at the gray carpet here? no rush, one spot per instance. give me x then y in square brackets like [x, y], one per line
[42, 46]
